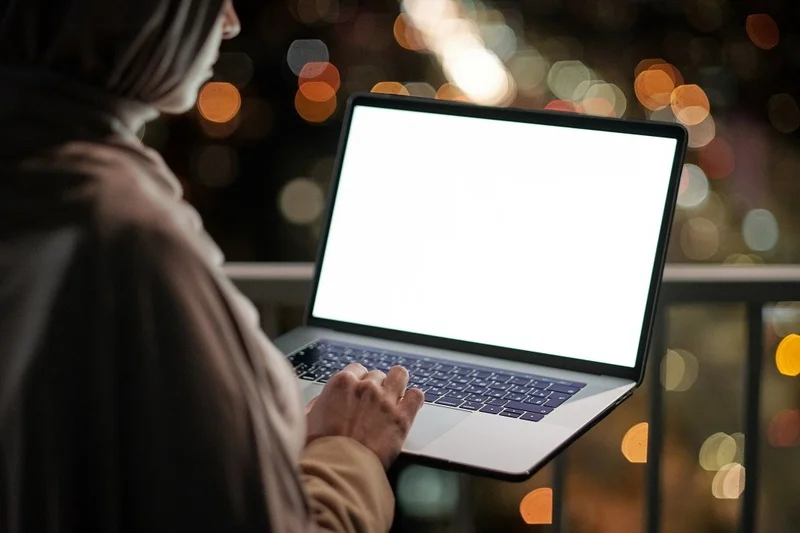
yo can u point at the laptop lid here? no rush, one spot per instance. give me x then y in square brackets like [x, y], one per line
[531, 236]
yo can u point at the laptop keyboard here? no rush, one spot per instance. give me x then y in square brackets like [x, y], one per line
[458, 385]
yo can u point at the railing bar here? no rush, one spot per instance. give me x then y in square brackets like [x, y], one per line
[559, 476]
[655, 434]
[752, 411]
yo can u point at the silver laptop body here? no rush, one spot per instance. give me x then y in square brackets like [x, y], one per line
[510, 259]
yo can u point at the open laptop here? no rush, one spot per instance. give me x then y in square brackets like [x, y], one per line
[510, 259]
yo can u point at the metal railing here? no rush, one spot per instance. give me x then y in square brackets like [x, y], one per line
[275, 285]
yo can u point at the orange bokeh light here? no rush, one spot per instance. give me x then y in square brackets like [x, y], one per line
[448, 91]
[219, 102]
[317, 91]
[787, 356]
[320, 72]
[763, 31]
[537, 506]
[784, 429]
[716, 159]
[561, 105]
[390, 87]
[314, 110]
[690, 104]
[654, 89]
[599, 107]
[634, 443]
[406, 34]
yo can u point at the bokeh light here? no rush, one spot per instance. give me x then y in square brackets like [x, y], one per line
[529, 69]
[316, 72]
[728, 483]
[679, 370]
[763, 31]
[717, 451]
[690, 104]
[427, 493]
[451, 92]
[390, 87]
[693, 189]
[406, 35]
[717, 159]
[700, 239]
[702, 134]
[784, 113]
[319, 109]
[301, 201]
[420, 89]
[304, 51]
[219, 102]
[561, 105]
[784, 429]
[760, 230]
[634, 443]
[537, 506]
[565, 77]
[787, 356]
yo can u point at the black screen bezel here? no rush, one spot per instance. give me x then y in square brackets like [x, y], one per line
[657, 129]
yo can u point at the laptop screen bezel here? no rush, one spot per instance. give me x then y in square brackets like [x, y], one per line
[553, 118]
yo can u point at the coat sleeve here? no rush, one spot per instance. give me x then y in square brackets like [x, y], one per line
[213, 440]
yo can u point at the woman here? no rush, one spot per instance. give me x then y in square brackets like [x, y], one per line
[136, 390]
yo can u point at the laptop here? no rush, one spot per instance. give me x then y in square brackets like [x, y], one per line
[510, 259]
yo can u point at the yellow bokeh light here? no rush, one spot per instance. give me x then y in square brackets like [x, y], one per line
[315, 111]
[679, 370]
[690, 104]
[787, 356]
[390, 87]
[634, 443]
[717, 451]
[728, 483]
[763, 31]
[537, 506]
[219, 102]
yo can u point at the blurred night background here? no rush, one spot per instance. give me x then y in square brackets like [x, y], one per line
[256, 157]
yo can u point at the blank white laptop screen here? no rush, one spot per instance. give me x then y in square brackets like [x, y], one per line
[525, 236]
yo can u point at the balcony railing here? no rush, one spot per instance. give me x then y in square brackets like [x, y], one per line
[277, 286]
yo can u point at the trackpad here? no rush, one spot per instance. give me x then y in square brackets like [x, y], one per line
[431, 423]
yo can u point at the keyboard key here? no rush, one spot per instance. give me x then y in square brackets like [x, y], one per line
[455, 386]
[477, 398]
[461, 371]
[533, 400]
[501, 378]
[481, 374]
[560, 396]
[521, 406]
[495, 393]
[510, 414]
[553, 403]
[480, 382]
[438, 382]
[442, 367]
[541, 383]
[578, 385]
[471, 406]
[457, 395]
[539, 393]
[500, 386]
[308, 377]
[431, 397]
[437, 390]
[514, 396]
[566, 389]
[450, 402]
[491, 409]
[521, 390]
[425, 364]
[475, 390]
[440, 375]
[531, 417]
[497, 401]
[519, 381]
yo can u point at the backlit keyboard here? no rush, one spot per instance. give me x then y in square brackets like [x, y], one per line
[458, 385]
